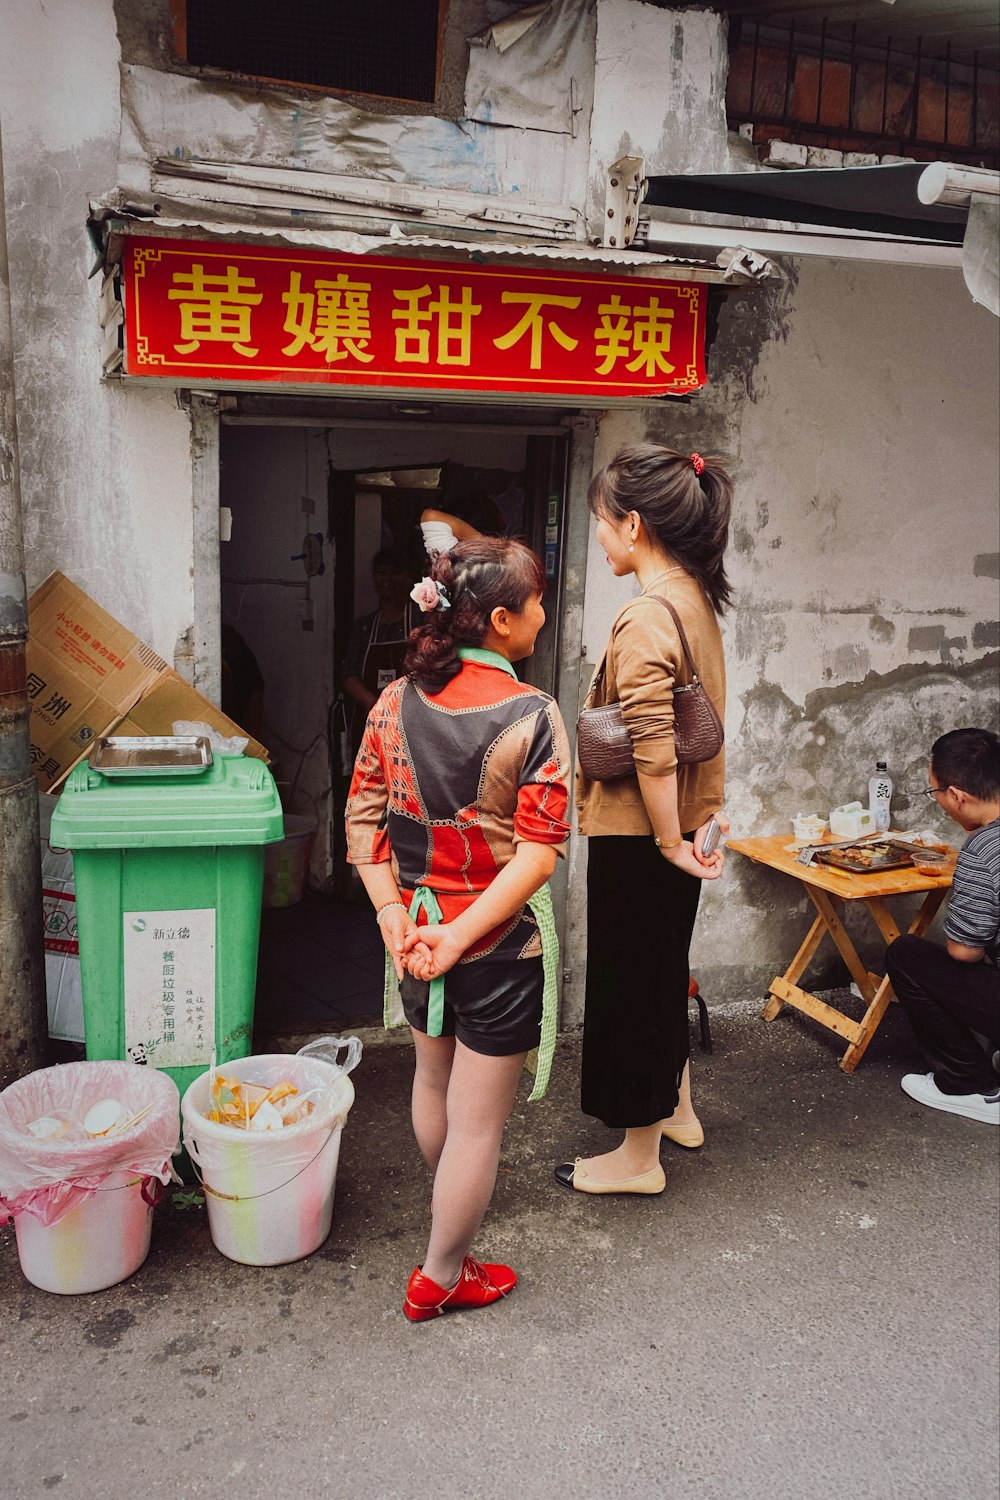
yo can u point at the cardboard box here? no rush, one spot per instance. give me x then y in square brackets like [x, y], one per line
[88, 676]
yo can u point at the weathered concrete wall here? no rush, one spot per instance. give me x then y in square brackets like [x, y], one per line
[857, 406]
[659, 92]
[105, 472]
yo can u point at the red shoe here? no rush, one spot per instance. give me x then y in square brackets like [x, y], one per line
[479, 1284]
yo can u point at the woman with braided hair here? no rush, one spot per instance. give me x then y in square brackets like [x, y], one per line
[456, 816]
[663, 517]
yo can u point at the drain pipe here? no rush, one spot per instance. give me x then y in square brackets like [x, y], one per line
[22, 959]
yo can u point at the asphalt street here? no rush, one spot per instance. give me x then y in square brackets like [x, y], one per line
[810, 1311]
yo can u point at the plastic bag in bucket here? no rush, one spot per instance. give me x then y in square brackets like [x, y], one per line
[270, 1193]
[82, 1206]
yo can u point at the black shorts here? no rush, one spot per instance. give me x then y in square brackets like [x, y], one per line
[492, 1005]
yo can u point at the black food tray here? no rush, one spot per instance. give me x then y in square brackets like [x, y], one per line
[876, 858]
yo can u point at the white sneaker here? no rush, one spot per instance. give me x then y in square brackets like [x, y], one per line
[984, 1107]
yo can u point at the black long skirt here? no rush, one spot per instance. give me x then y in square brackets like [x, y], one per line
[640, 916]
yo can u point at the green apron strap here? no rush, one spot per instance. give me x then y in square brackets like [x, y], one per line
[392, 1005]
[539, 1061]
[393, 1014]
[425, 900]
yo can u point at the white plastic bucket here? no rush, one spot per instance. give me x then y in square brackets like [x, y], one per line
[80, 1219]
[286, 865]
[101, 1241]
[269, 1194]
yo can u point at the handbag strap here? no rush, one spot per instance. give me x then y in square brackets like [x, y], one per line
[695, 679]
[680, 631]
[597, 679]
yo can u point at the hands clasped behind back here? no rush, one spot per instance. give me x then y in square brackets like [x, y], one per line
[423, 952]
[431, 951]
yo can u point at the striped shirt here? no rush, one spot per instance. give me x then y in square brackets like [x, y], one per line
[974, 909]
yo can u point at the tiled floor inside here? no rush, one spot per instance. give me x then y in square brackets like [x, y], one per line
[320, 965]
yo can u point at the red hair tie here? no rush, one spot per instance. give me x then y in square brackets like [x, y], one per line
[698, 464]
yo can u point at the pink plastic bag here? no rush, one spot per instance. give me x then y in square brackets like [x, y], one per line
[48, 1178]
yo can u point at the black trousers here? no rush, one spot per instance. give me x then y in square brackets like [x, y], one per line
[640, 915]
[945, 1002]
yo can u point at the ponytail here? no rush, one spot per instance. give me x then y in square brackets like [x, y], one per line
[685, 502]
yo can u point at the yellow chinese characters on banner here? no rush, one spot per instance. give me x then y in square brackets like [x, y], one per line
[224, 313]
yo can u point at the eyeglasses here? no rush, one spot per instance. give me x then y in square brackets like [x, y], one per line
[923, 791]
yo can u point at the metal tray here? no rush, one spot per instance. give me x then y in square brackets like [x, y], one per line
[863, 859]
[923, 852]
[152, 755]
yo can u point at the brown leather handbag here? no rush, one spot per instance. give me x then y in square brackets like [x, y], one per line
[602, 741]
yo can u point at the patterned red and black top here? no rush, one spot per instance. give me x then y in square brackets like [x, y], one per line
[447, 786]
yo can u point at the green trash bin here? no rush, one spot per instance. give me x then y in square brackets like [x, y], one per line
[168, 870]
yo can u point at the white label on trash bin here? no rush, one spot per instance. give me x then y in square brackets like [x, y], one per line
[169, 959]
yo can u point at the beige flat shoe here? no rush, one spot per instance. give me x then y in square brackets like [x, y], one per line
[689, 1136]
[574, 1175]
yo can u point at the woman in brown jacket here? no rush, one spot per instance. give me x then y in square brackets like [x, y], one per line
[663, 516]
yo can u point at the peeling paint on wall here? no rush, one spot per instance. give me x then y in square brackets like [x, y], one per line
[881, 629]
[6, 462]
[986, 634]
[823, 751]
[783, 758]
[933, 638]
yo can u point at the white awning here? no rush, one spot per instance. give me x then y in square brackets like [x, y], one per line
[909, 213]
[777, 240]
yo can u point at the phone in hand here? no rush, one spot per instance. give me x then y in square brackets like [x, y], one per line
[712, 835]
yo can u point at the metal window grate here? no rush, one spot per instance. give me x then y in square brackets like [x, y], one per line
[352, 46]
[854, 95]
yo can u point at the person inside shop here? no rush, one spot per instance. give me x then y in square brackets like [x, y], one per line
[951, 992]
[456, 816]
[663, 518]
[377, 645]
[472, 516]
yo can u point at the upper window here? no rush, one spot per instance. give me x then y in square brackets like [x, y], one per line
[376, 47]
[835, 88]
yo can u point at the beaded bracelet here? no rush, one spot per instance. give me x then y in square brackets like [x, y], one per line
[386, 906]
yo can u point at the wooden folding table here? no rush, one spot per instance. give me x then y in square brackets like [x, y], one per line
[827, 888]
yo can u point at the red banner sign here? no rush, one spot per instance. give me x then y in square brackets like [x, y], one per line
[235, 313]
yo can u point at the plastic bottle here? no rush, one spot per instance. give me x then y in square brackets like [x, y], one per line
[880, 795]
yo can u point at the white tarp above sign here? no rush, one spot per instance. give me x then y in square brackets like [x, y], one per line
[526, 71]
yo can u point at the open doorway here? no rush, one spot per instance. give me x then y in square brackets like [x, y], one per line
[313, 502]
